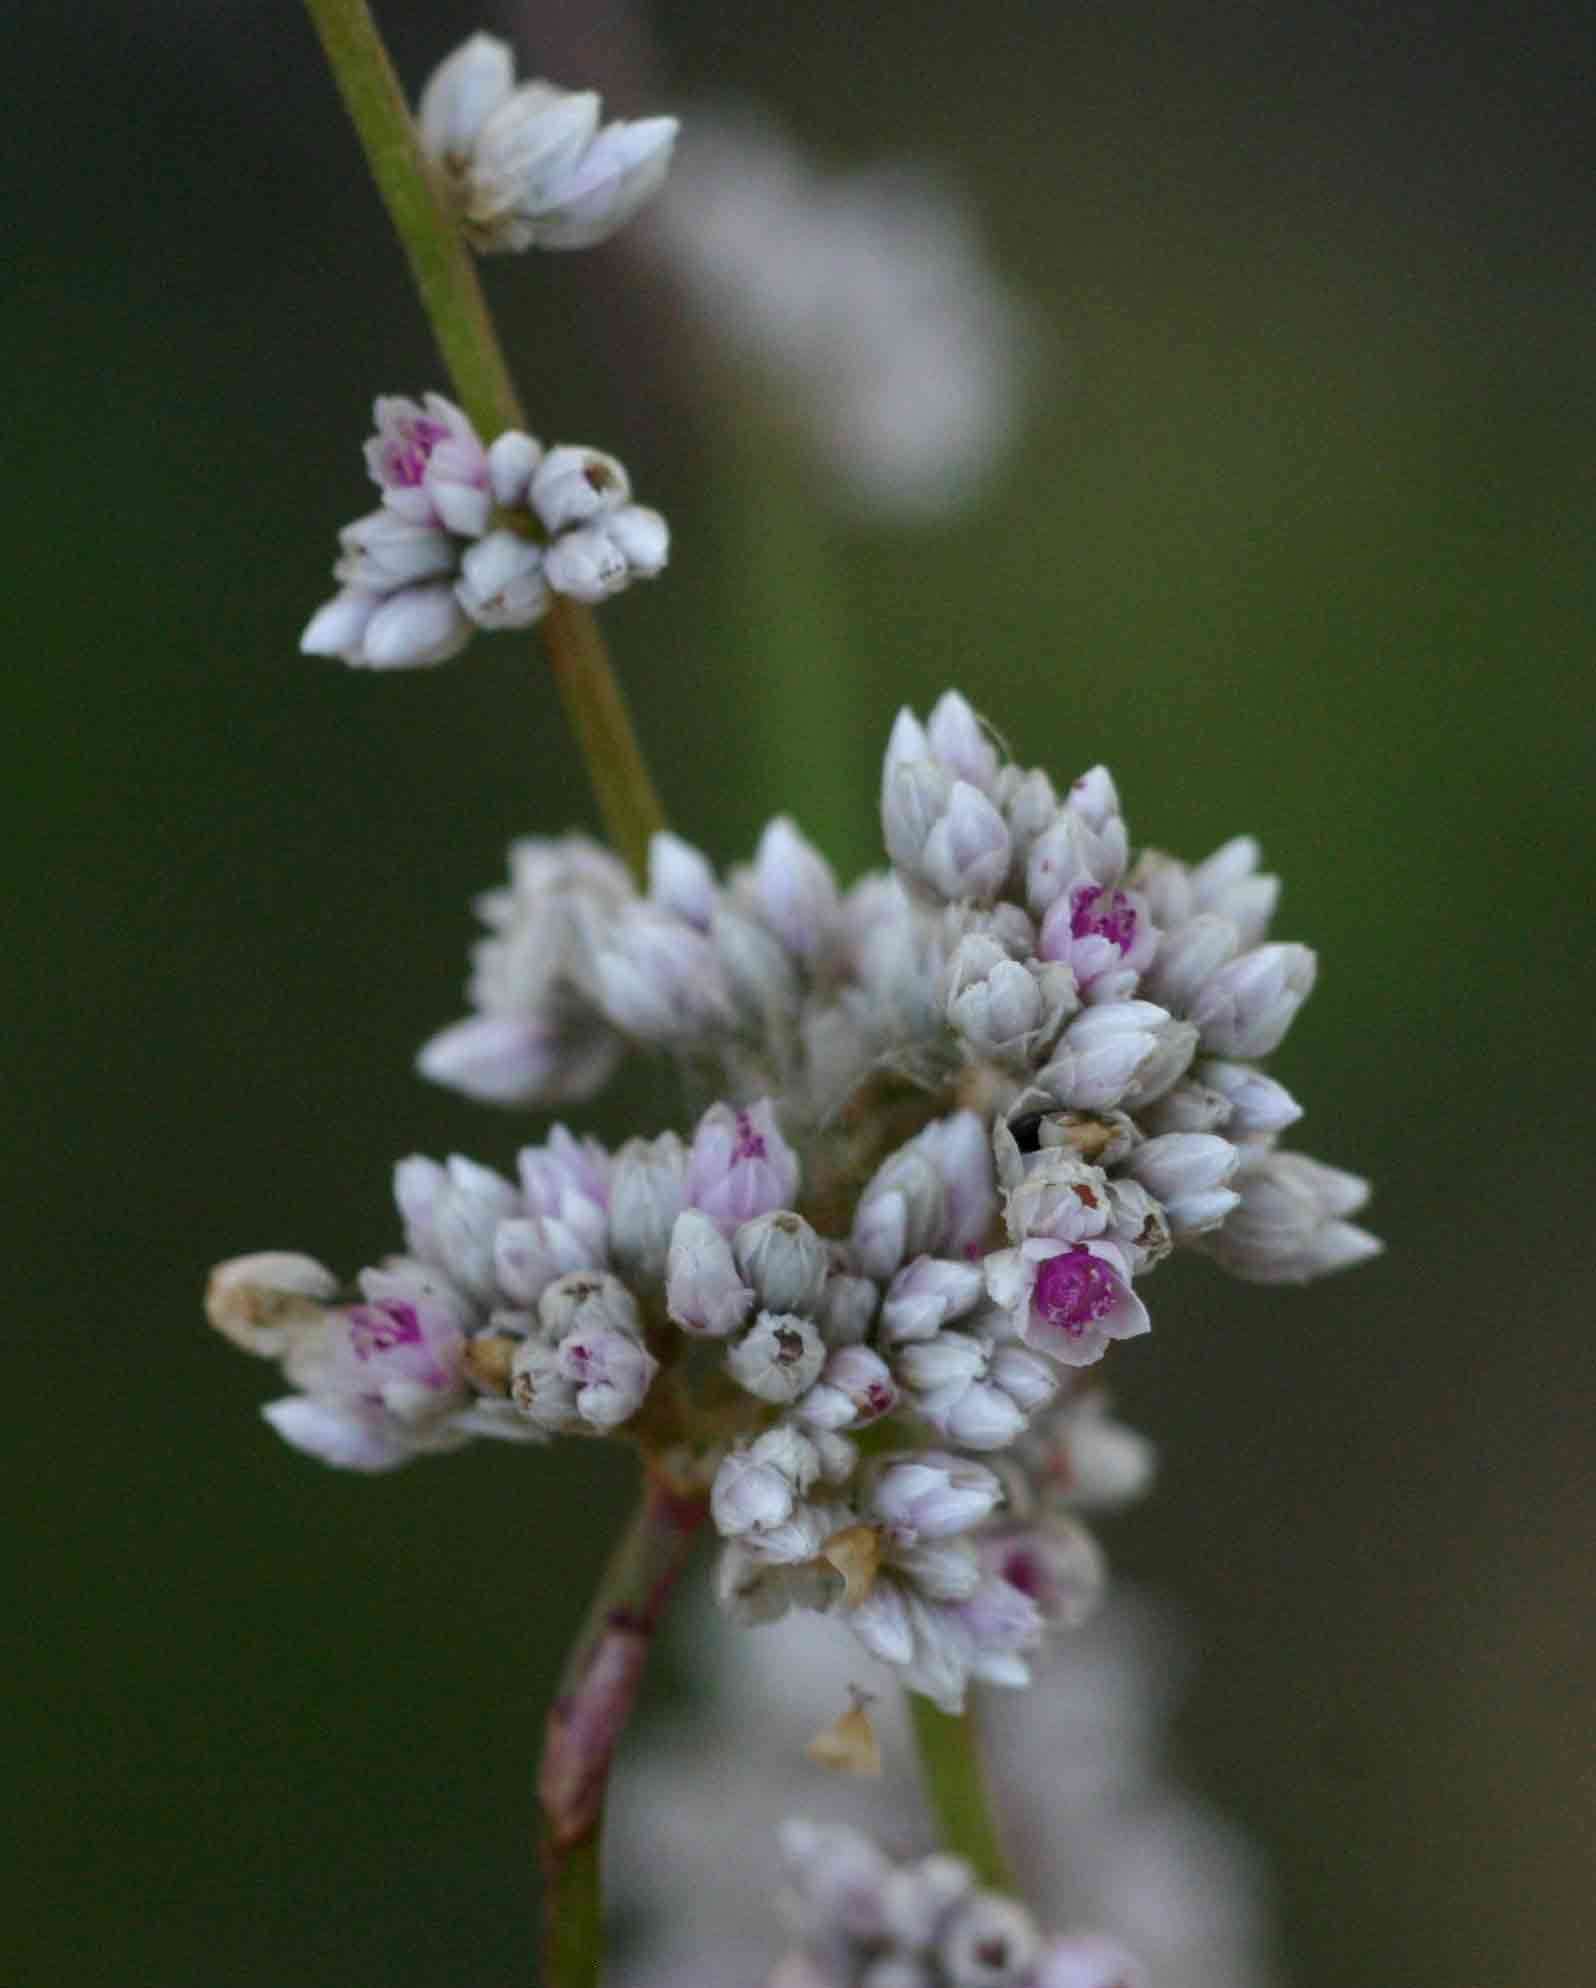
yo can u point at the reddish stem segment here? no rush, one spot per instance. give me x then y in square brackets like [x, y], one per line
[590, 1711]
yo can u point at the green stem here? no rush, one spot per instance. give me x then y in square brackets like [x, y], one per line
[451, 295]
[955, 1783]
[597, 1693]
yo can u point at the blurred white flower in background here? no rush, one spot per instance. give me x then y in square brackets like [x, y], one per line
[864, 300]
[1102, 1833]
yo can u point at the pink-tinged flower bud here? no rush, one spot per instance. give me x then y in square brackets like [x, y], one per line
[1105, 937]
[703, 1292]
[932, 1495]
[412, 629]
[855, 1388]
[1246, 1008]
[784, 1260]
[883, 1624]
[778, 1358]
[740, 1166]
[960, 1146]
[501, 582]
[648, 1190]
[1067, 1301]
[338, 627]
[956, 739]
[1291, 1224]
[1095, 798]
[795, 891]
[656, 978]
[990, 1942]
[681, 879]
[926, 1295]
[569, 1178]
[258, 1300]
[574, 485]
[1057, 1565]
[1118, 1052]
[347, 1437]
[461, 94]
[399, 456]
[1188, 1172]
[1259, 1107]
[1087, 1961]
[610, 1369]
[400, 1350]
[451, 1215]
[457, 483]
[383, 552]
[1188, 958]
[510, 1059]
[1067, 856]
[513, 457]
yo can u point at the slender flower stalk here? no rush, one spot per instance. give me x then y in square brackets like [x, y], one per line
[452, 298]
[955, 1783]
[594, 1701]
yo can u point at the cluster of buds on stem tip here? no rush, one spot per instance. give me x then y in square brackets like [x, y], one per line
[966, 1109]
[471, 536]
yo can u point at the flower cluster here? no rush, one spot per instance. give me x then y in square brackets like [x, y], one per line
[867, 1922]
[531, 167]
[896, 350]
[964, 1110]
[469, 536]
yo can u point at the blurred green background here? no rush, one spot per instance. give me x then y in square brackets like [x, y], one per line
[1298, 540]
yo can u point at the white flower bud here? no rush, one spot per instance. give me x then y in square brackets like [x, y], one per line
[847, 1309]
[1025, 1377]
[926, 1295]
[938, 1570]
[574, 485]
[900, 1212]
[749, 1496]
[1066, 855]
[1188, 958]
[647, 1192]
[657, 978]
[703, 1292]
[957, 739]
[933, 1495]
[791, 1451]
[794, 890]
[516, 161]
[643, 539]
[1120, 1051]
[512, 459]
[345, 1437]
[1258, 1105]
[784, 1260]
[588, 565]
[982, 1417]
[412, 629]
[1005, 1009]
[1060, 1196]
[383, 552]
[778, 1358]
[1139, 1225]
[601, 190]
[1030, 807]
[681, 879]
[451, 1216]
[501, 582]
[1291, 1223]
[510, 1059]
[758, 968]
[1188, 1172]
[916, 1899]
[882, 1622]
[1245, 1009]
[927, 1366]
[257, 1300]
[1188, 1106]
[461, 95]
[610, 1369]
[528, 1254]
[338, 627]
[838, 1873]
